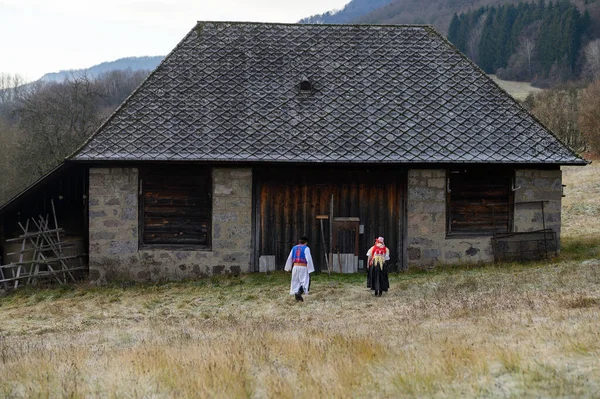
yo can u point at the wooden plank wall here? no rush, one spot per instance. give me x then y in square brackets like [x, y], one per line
[68, 190]
[480, 204]
[290, 200]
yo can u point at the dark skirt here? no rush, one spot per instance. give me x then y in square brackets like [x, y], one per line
[377, 278]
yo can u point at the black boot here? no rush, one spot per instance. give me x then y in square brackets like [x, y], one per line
[298, 295]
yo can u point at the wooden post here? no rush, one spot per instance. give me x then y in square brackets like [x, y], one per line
[21, 255]
[56, 227]
[36, 249]
[2, 278]
[331, 231]
[544, 230]
[321, 218]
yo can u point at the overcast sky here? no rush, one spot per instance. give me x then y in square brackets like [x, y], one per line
[41, 36]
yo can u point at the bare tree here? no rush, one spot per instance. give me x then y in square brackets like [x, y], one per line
[55, 119]
[474, 38]
[8, 142]
[528, 46]
[558, 109]
[117, 85]
[591, 66]
[522, 64]
[589, 115]
[10, 86]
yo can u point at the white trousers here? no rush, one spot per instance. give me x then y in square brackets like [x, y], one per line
[300, 278]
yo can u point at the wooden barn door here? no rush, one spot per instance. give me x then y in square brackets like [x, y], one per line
[289, 201]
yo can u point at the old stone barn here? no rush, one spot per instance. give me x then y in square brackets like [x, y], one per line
[249, 135]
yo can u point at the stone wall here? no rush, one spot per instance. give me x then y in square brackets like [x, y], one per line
[428, 245]
[115, 253]
[426, 217]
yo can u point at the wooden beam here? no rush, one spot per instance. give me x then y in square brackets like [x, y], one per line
[44, 261]
[31, 235]
[45, 274]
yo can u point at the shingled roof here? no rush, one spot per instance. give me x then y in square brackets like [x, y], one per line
[230, 92]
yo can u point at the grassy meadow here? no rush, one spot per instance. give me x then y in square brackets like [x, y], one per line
[519, 90]
[510, 330]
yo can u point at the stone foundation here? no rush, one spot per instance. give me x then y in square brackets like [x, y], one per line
[115, 253]
[427, 243]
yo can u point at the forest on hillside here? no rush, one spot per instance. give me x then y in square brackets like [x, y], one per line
[433, 12]
[41, 123]
[439, 13]
[536, 42]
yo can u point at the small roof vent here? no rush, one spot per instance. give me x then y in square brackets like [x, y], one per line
[305, 86]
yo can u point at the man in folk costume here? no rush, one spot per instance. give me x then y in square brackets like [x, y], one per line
[300, 263]
[377, 269]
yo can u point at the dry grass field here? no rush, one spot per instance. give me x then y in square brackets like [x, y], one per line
[581, 206]
[495, 331]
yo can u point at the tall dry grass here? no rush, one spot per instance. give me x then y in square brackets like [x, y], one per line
[581, 206]
[495, 331]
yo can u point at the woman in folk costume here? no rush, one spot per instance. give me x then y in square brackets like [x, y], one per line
[377, 269]
[300, 263]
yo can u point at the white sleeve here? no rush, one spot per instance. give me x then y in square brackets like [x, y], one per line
[387, 253]
[370, 251]
[309, 260]
[290, 262]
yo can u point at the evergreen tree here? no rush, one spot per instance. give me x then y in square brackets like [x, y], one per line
[504, 24]
[453, 30]
[487, 44]
[464, 32]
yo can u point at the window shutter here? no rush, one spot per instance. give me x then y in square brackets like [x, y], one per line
[176, 206]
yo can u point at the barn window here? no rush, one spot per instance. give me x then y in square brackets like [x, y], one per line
[175, 206]
[479, 201]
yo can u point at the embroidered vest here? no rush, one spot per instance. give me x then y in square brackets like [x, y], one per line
[299, 256]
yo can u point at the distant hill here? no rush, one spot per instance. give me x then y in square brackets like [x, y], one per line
[438, 13]
[434, 12]
[132, 63]
[351, 12]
